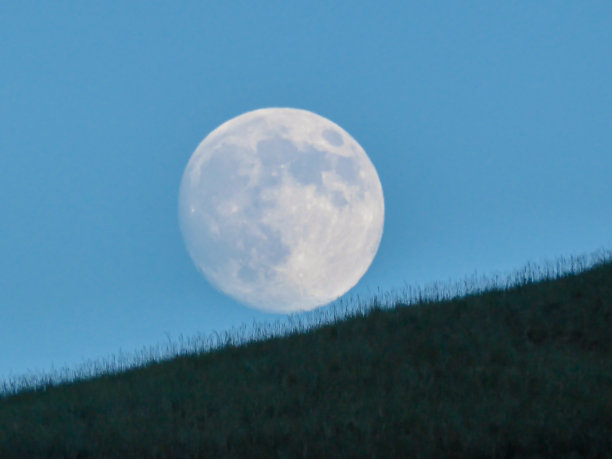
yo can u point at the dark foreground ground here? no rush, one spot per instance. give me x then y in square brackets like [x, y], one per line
[525, 372]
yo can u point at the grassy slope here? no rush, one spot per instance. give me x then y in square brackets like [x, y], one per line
[522, 372]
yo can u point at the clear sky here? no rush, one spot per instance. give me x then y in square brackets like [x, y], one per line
[489, 123]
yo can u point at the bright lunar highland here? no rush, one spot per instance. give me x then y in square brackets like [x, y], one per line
[281, 209]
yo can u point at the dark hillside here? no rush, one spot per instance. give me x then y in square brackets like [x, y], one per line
[523, 372]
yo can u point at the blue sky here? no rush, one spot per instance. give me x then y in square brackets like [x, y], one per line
[490, 126]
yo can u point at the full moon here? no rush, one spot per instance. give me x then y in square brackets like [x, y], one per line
[281, 209]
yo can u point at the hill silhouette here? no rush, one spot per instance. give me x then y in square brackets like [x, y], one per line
[522, 371]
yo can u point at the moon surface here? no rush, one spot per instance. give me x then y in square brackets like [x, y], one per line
[281, 209]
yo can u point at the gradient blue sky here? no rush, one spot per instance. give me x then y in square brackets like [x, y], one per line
[490, 125]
